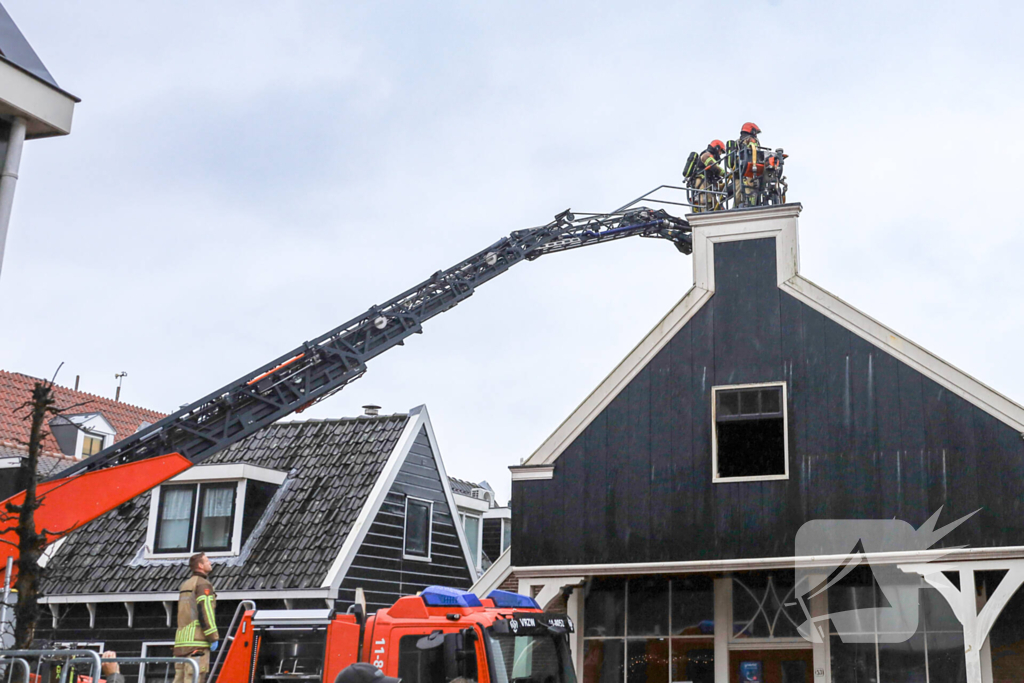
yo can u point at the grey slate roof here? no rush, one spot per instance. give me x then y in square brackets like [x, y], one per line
[332, 465]
[462, 487]
[48, 464]
[15, 49]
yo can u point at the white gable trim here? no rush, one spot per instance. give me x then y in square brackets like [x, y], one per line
[928, 364]
[727, 226]
[616, 381]
[418, 419]
[449, 496]
[374, 501]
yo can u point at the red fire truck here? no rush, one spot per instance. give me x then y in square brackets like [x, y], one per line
[438, 636]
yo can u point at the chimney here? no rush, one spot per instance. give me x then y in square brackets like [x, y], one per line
[371, 410]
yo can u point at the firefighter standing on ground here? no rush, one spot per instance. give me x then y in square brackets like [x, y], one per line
[197, 624]
[707, 176]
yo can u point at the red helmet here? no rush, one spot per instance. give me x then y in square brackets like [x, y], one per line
[716, 147]
[750, 129]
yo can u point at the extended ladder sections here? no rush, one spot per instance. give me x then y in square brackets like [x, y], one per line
[325, 365]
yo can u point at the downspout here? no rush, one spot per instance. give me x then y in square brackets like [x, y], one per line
[9, 178]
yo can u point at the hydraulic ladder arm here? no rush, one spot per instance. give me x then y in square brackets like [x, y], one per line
[309, 373]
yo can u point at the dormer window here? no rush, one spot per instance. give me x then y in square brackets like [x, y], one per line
[91, 444]
[82, 435]
[196, 517]
[209, 508]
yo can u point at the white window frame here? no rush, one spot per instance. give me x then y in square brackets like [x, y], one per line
[505, 523]
[94, 425]
[430, 529]
[479, 536]
[210, 474]
[145, 646]
[104, 440]
[714, 433]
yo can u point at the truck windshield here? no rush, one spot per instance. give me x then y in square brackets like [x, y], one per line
[530, 658]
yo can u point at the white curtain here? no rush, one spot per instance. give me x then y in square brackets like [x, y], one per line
[218, 502]
[177, 510]
[214, 529]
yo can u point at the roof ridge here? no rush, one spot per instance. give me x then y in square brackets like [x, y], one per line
[86, 393]
[346, 418]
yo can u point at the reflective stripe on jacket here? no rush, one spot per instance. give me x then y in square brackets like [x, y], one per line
[197, 621]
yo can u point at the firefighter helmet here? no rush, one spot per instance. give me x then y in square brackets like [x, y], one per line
[717, 147]
[750, 129]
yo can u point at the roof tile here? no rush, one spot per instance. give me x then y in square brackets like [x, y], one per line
[307, 527]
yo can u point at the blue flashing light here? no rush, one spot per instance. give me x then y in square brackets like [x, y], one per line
[443, 596]
[507, 599]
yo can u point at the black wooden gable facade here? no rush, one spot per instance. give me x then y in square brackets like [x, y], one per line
[872, 431]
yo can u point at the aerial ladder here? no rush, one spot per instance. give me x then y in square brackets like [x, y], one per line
[313, 371]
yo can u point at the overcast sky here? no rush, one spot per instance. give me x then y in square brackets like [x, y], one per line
[243, 176]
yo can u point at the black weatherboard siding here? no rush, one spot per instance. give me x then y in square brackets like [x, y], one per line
[869, 437]
[491, 541]
[378, 567]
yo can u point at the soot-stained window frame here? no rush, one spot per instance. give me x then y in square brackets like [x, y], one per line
[715, 477]
[406, 554]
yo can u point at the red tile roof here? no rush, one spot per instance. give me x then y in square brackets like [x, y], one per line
[16, 389]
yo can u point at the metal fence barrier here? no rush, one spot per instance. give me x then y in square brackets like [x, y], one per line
[191, 661]
[90, 657]
[10, 670]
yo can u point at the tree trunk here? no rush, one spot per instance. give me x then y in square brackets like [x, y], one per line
[30, 543]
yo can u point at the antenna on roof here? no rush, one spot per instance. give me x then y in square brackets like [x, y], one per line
[118, 376]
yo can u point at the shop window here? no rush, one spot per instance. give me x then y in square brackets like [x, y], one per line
[764, 606]
[649, 629]
[605, 608]
[933, 654]
[604, 661]
[750, 432]
[418, 522]
[648, 606]
[693, 606]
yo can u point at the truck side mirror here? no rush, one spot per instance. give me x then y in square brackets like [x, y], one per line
[435, 639]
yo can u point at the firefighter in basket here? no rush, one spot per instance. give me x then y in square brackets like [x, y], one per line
[705, 178]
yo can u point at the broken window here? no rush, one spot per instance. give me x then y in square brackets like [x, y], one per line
[750, 432]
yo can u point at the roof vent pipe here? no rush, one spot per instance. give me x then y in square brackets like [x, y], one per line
[371, 410]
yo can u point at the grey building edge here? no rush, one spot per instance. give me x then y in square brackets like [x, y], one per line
[630, 526]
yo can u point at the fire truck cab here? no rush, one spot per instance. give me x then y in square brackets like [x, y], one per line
[438, 636]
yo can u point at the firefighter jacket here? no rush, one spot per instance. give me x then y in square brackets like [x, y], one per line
[710, 165]
[197, 623]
